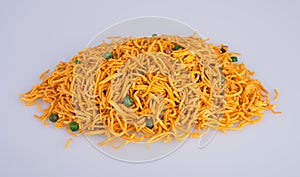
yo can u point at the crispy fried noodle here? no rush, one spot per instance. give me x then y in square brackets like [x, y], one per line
[150, 89]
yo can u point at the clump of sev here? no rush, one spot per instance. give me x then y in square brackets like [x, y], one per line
[83, 93]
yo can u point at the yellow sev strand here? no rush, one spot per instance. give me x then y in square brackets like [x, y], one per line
[276, 94]
[68, 143]
[44, 73]
[46, 123]
[71, 133]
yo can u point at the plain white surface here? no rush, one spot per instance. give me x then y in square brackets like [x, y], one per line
[36, 35]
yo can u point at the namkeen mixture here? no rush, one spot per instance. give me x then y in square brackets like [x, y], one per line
[150, 89]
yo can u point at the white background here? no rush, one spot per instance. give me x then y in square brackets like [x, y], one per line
[36, 35]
